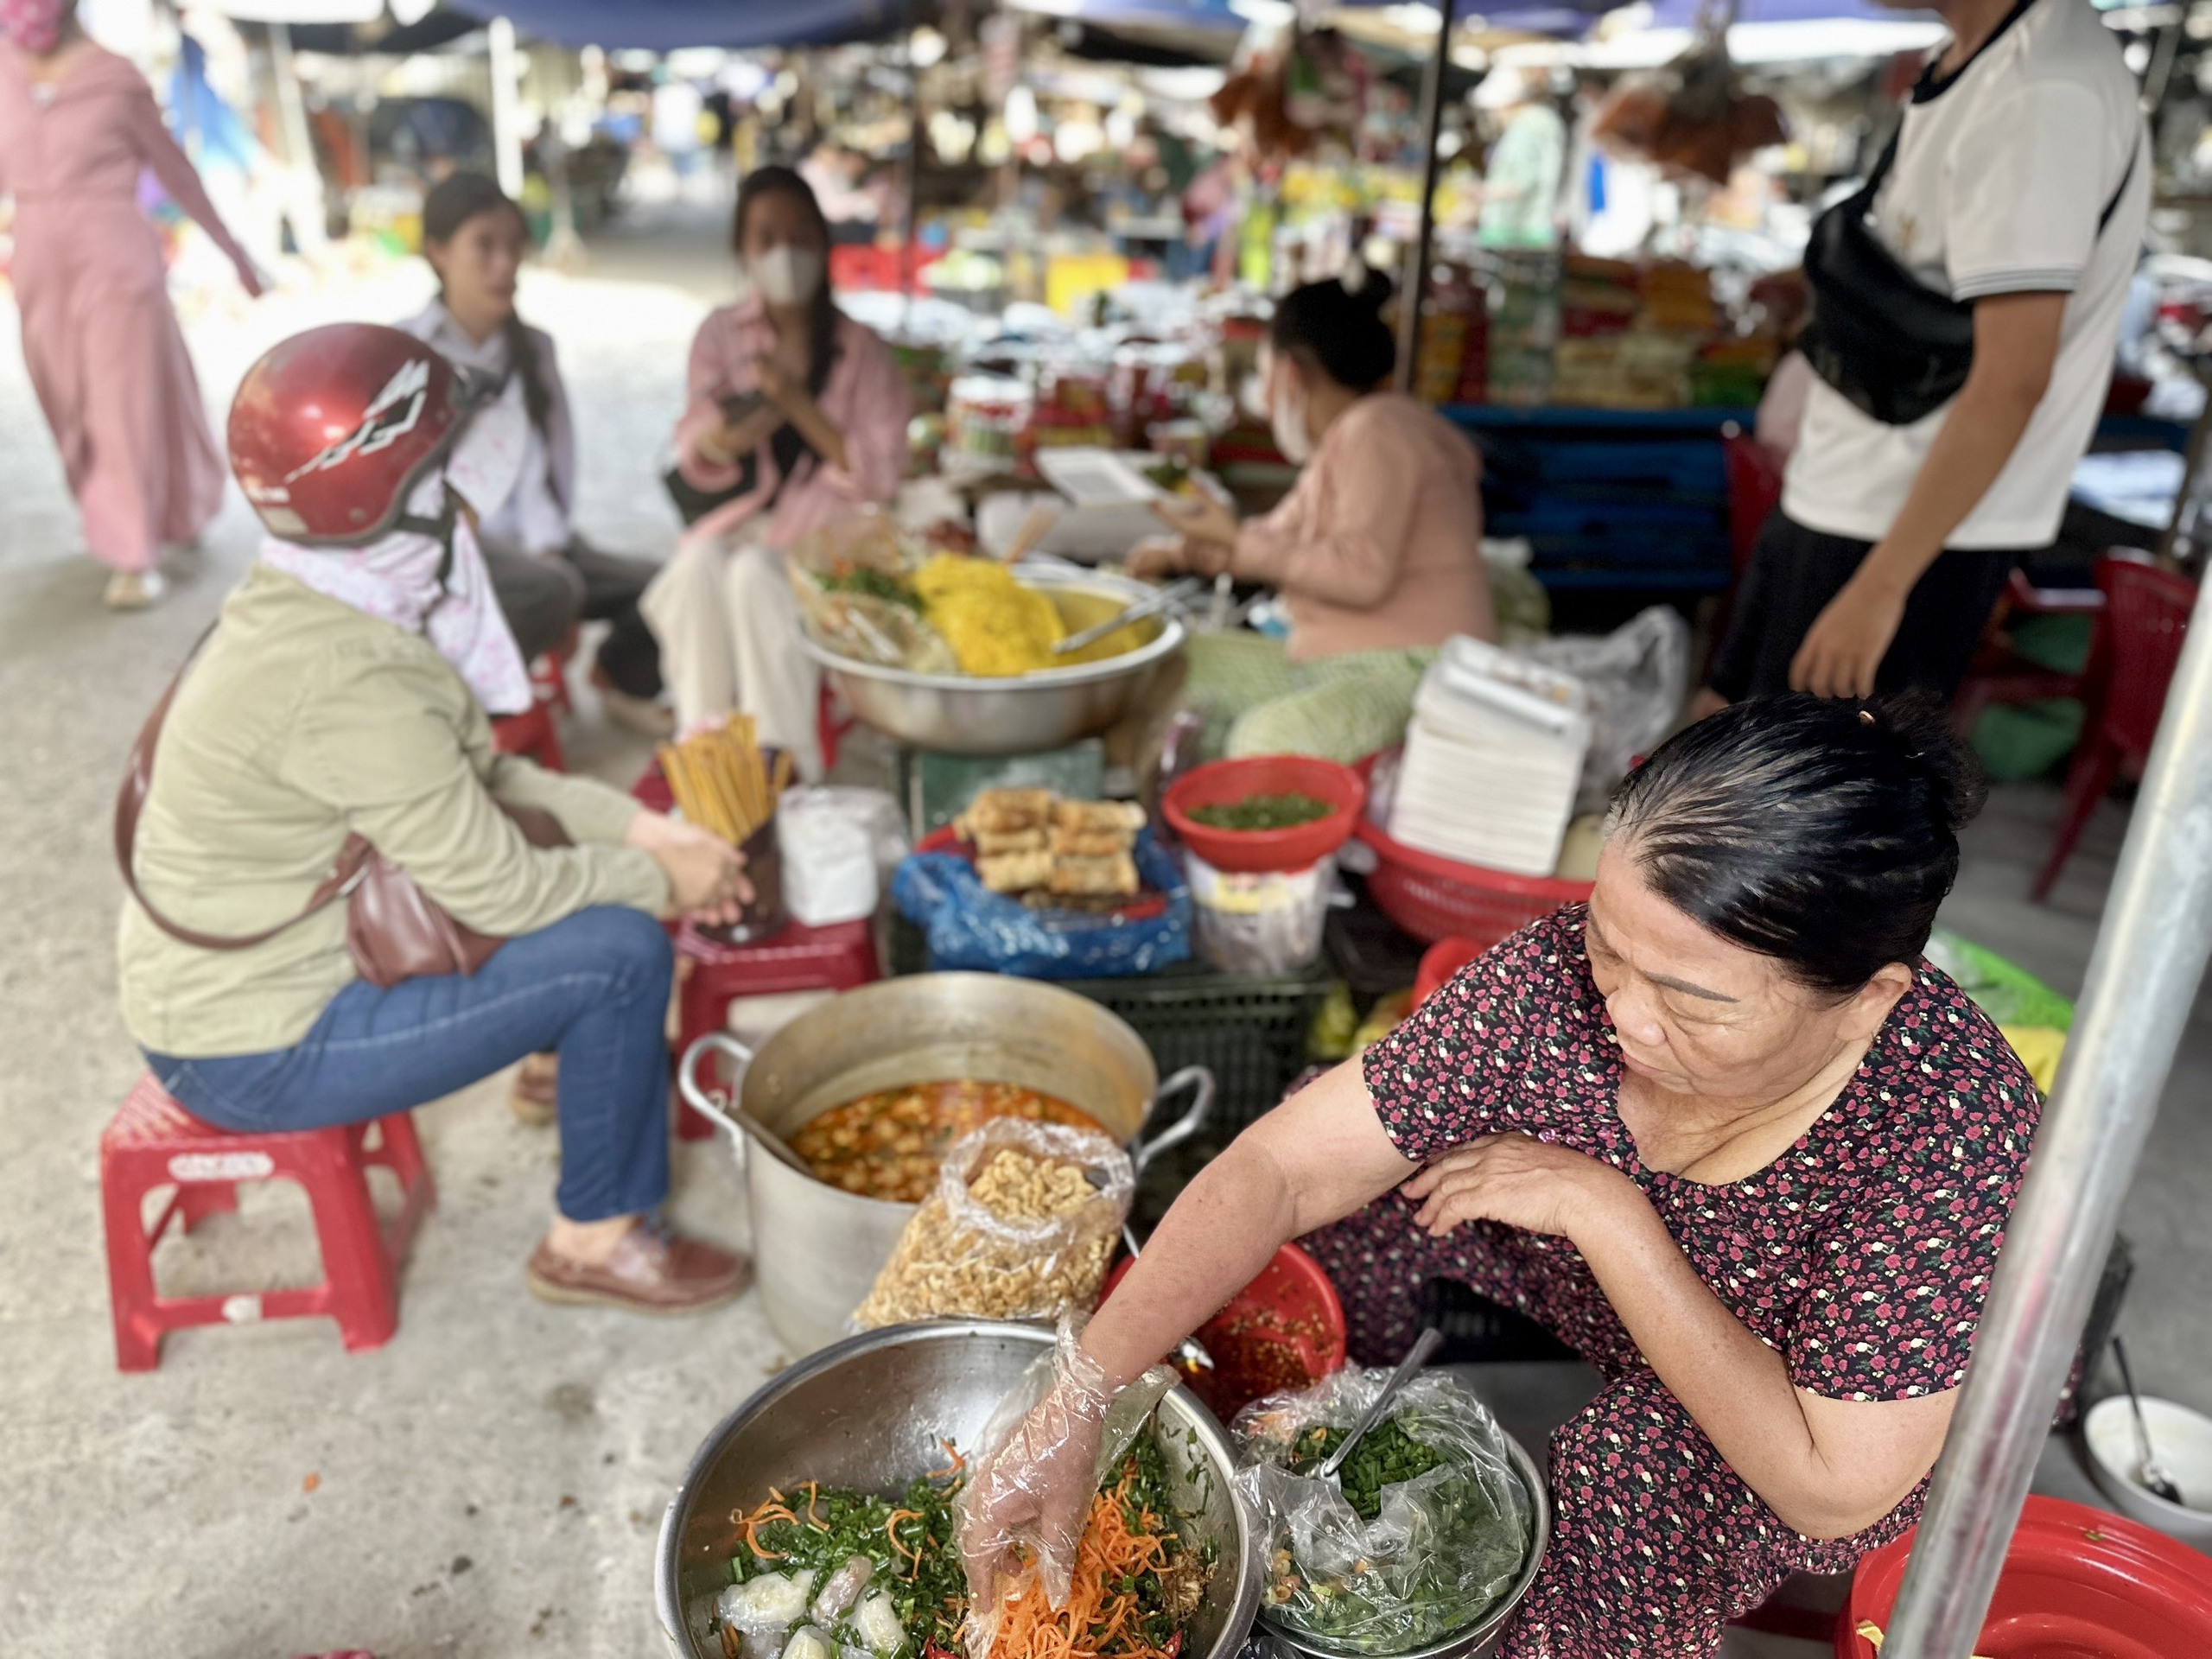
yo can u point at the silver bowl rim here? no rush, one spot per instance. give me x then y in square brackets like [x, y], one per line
[1169, 640]
[666, 1548]
[1491, 1622]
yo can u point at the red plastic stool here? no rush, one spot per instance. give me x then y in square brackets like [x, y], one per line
[534, 733]
[712, 976]
[154, 1142]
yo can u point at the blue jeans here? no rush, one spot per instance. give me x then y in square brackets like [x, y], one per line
[594, 986]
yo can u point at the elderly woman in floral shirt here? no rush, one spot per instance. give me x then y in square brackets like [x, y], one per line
[1723, 1129]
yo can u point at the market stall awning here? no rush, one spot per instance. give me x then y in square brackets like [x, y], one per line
[670, 25]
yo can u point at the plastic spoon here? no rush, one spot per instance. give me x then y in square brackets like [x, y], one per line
[1416, 1357]
[2149, 1474]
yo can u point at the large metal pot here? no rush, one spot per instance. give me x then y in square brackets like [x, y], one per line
[1027, 713]
[818, 1249]
[868, 1415]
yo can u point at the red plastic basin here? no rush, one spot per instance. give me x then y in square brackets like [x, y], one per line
[1286, 1322]
[1439, 962]
[2078, 1584]
[1256, 851]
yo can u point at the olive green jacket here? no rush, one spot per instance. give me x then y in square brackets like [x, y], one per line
[302, 720]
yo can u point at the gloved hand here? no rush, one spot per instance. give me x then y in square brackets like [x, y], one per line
[1028, 1497]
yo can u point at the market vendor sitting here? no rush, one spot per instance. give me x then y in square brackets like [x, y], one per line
[342, 694]
[1723, 1129]
[1376, 549]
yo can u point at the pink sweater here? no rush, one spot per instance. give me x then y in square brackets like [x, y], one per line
[1379, 543]
[866, 399]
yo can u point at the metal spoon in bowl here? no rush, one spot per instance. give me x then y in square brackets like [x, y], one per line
[1416, 1357]
[1174, 593]
[2149, 1474]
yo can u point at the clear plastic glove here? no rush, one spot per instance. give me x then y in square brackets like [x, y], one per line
[1029, 1497]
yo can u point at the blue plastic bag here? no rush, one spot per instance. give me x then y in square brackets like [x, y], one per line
[969, 927]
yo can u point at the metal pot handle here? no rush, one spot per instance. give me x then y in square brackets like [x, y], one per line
[709, 1104]
[1200, 1082]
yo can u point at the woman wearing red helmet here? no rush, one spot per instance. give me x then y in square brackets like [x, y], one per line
[344, 693]
[78, 126]
[798, 416]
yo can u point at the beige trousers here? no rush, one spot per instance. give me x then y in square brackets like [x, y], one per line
[728, 627]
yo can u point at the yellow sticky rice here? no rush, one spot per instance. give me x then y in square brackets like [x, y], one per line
[995, 626]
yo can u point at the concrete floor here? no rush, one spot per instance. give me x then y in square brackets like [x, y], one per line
[489, 1482]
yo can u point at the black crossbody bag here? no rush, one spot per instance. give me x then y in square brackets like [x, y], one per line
[1896, 349]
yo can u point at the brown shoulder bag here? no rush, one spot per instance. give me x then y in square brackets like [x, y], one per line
[394, 930]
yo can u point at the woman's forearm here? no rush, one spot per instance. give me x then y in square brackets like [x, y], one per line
[1737, 1387]
[1226, 1226]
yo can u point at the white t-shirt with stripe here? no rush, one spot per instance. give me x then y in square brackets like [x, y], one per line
[2001, 172]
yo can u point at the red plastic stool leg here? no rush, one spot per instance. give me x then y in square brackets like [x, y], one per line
[356, 1268]
[129, 1268]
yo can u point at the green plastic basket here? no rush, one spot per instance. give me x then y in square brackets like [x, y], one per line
[2007, 992]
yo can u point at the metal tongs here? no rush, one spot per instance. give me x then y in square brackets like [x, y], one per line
[1173, 593]
[1416, 1357]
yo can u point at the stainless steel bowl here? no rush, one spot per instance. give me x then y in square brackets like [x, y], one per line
[1482, 1636]
[867, 1414]
[1027, 714]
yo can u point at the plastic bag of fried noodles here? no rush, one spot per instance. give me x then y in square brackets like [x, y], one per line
[1022, 1226]
[1419, 1536]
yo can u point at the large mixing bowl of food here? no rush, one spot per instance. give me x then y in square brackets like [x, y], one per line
[818, 1515]
[1025, 704]
[843, 1115]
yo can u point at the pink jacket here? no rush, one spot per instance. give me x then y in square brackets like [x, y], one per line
[1379, 544]
[866, 399]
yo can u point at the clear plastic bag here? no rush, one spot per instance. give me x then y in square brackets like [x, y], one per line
[1638, 676]
[1442, 1546]
[838, 845]
[1022, 1226]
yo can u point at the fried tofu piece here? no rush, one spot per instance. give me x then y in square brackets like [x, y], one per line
[1116, 876]
[1093, 817]
[989, 844]
[1015, 872]
[1006, 811]
[1091, 843]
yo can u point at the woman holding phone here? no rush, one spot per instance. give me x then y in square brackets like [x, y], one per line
[796, 417]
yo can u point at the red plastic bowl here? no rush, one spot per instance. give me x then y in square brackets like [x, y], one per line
[1291, 1306]
[1435, 899]
[2077, 1581]
[1255, 851]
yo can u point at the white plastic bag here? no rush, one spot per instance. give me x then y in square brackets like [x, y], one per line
[838, 845]
[1638, 676]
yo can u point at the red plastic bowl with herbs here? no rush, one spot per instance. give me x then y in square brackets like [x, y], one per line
[1225, 783]
[1284, 1330]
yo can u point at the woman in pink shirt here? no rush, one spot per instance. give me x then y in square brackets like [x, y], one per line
[1376, 549]
[78, 126]
[798, 416]
[1379, 543]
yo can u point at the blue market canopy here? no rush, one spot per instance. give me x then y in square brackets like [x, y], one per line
[670, 25]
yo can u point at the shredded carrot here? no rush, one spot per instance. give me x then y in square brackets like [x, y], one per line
[750, 1525]
[813, 1492]
[959, 1462]
[1099, 1617]
[898, 1543]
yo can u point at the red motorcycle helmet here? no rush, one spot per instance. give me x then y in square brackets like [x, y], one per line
[332, 428]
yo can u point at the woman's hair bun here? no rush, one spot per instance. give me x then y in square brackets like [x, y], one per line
[1920, 725]
[1365, 284]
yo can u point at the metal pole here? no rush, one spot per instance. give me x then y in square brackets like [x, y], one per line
[506, 131]
[1431, 122]
[907, 250]
[2143, 978]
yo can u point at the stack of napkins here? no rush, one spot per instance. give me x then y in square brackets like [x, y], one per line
[1493, 758]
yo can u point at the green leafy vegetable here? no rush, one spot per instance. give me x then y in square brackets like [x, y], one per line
[1262, 812]
[1385, 1456]
[871, 583]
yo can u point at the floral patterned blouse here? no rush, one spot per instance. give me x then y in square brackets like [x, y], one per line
[1862, 1254]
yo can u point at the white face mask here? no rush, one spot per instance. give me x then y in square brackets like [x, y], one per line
[1286, 420]
[786, 276]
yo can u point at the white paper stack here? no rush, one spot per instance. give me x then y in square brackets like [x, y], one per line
[1493, 758]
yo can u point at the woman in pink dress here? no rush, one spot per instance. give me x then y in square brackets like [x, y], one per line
[77, 127]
